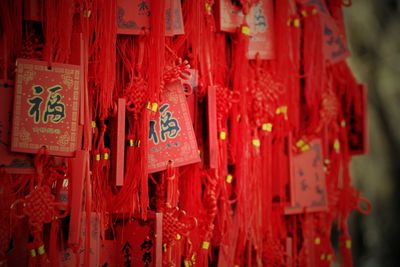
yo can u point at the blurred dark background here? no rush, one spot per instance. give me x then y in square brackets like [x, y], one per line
[373, 32]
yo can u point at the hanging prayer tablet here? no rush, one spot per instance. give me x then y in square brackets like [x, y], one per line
[260, 19]
[308, 185]
[139, 242]
[171, 134]
[68, 257]
[173, 18]
[133, 17]
[78, 173]
[212, 128]
[334, 41]
[230, 16]
[46, 108]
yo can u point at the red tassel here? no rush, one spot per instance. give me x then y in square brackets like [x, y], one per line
[144, 191]
[58, 30]
[239, 82]
[102, 33]
[345, 250]
[172, 186]
[32, 258]
[11, 25]
[313, 64]
[287, 24]
[156, 50]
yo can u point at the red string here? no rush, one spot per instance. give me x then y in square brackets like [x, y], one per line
[102, 43]
[313, 64]
[57, 42]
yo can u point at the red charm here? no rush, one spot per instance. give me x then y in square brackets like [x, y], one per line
[40, 207]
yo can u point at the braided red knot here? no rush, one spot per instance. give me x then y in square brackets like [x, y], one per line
[274, 254]
[179, 69]
[210, 203]
[136, 96]
[39, 206]
[329, 110]
[225, 99]
[264, 94]
[176, 224]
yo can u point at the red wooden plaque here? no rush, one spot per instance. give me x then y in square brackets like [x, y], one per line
[133, 17]
[78, 170]
[308, 185]
[335, 47]
[230, 16]
[68, 258]
[117, 142]
[171, 134]
[46, 108]
[212, 127]
[173, 18]
[139, 242]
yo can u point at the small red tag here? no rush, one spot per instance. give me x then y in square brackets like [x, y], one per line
[46, 108]
[171, 134]
[308, 185]
[117, 142]
[289, 251]
[13, 162]
[212, 127]
[358, 122]
[139, 242]
[133, 17]
[77, 178]
[260, 19]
